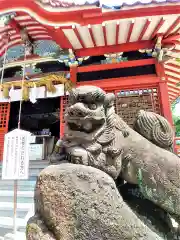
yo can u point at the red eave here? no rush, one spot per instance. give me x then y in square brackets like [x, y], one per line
[125, 47]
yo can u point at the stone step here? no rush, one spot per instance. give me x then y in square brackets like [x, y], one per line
[20, 188]
[23, 185]
[24, 207]
[36, 166]
[7, 222]
[23, 182]
[31, 178]
[22, 196]
[10, 213]
[19, 193]
[19, 236]
[35, 162]
[4, 231]
[19, 199]
[32, 172]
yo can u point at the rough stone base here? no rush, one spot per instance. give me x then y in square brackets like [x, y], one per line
[76, 202]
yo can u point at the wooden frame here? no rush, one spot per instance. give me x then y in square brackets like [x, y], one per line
[158, 80]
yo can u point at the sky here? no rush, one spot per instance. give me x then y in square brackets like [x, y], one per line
[177, 110]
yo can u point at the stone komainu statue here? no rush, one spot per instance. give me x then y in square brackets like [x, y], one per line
[96, 136]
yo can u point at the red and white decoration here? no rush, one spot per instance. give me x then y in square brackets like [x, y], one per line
[172, 70]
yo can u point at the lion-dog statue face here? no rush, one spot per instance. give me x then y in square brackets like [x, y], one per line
[85, 116]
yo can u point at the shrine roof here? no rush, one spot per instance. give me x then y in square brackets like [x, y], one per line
[91, 28]
[67, 5]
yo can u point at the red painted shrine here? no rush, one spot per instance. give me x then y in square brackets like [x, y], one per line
[132, 50]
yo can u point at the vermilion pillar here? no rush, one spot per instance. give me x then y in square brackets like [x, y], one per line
[73, 74]
[163, 90]
[165, 104]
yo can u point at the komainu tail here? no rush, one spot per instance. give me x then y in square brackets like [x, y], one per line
[155, 128]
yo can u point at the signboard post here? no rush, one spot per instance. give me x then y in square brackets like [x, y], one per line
[16, 161]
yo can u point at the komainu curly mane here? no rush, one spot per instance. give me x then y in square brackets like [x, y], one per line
[155, 128]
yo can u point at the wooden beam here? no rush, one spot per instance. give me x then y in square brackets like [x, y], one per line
[78, 36]
[173, 89]
[125, 47]
[175, 42]
[169, 81]
[173, 94]
[172, 65]
[117, 32]
[175, 51]
[92, 35]
[172, 27]
[158, 26]
[104, 34]
[117, 83]
[171, 38]
[130, 31]
[172, 71]
[176, 80]
[146, 25]
[177, 31]
[102, 67]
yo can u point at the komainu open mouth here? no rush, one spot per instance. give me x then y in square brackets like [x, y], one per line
[87, 126]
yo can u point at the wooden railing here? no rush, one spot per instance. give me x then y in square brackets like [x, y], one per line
[177, 145]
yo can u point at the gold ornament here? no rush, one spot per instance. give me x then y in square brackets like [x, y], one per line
[48, 81]
[5, 91]
[25, 93]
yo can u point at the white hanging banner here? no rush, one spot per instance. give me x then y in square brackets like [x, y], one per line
[33, 95]
[16, 155]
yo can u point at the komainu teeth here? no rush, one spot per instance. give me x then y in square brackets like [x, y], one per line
[87, 125]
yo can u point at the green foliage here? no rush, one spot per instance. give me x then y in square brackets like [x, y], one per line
[176, 118]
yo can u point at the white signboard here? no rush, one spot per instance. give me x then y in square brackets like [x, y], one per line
[16, 155]
[36, 151]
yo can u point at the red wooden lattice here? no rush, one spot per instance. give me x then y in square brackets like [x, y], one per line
[129, 102]
[4, 120]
